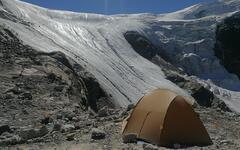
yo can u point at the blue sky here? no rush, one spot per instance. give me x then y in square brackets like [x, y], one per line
[117, 6]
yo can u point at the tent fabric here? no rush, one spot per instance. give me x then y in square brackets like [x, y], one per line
[164, 118]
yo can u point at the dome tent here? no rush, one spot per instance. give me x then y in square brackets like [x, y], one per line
[164, 118]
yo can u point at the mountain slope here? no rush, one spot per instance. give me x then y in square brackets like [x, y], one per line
[40, 102]
[97, 42]
[93, 42]
[211, 8]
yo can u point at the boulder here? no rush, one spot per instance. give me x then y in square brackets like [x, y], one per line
[57, 127]
[27, 95]
[30, 133]
[4, 128]
[130, 107]
[149, 147]
[203, 96]
[176, 146]
[97, 134]
[129, 138]
[67, 128]
[10, 140]
[70, 137]
[67, 114]
[103, 112]
[46, 120]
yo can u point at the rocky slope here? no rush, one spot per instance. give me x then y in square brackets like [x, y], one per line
[35, 86]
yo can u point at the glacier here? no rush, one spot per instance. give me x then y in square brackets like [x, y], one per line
[97, 43]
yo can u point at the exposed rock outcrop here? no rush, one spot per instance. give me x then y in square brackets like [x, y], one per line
[227, 47]
[141, 44]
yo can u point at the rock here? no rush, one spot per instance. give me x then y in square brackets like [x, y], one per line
[79, 125]
[219, 104]
[9, 96]
[97, 134]
[30, 133]
[203, 96]
[5, 135]
[68, 114]
[225, 142]
[59, 88]
[103, 112]
[76, 105]
[13, 139]
[42, 131]
[129, 138]
[123, 114]
[27, 95]
[226, 46]
[175, 78]
[70, 137]
[59, 116]
[141, 44]
[46, 120]
[4, 128]
[176, 146]
[16, 90]
[67, 128]
[24, 111]
[216, 91]
[57, 127]
[130, 107]
[149, 147]
[75, 119]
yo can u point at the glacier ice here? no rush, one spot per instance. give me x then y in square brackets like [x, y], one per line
[97, 43]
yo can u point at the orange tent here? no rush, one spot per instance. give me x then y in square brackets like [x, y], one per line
[164, 118]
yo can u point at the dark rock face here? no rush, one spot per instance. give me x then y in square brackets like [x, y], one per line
[227, 47]
[141, 44]
[95, 94]
[203, 96]
[201, 14]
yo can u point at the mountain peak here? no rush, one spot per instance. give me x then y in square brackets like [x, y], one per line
[218, 7]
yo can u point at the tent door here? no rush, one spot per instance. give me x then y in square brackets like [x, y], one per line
[150, 130]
